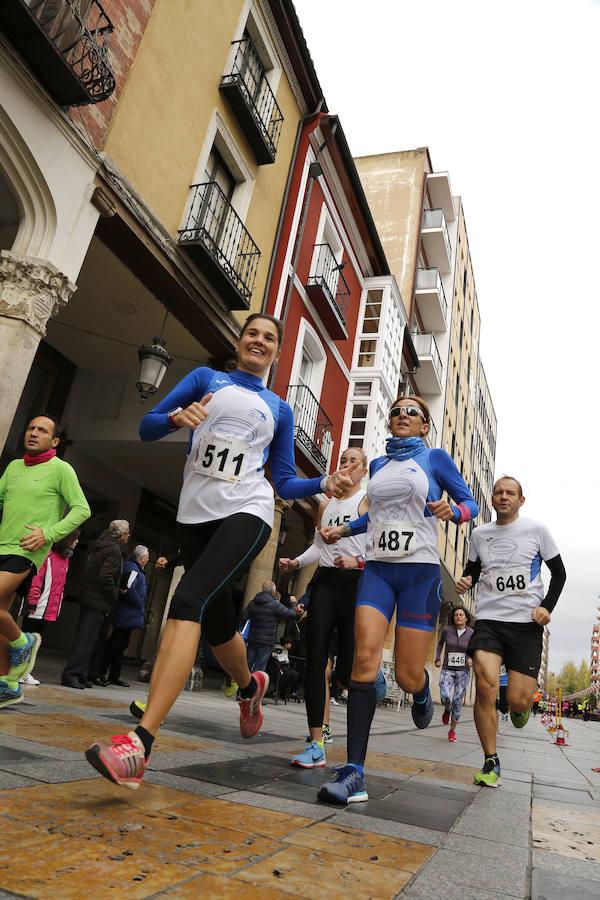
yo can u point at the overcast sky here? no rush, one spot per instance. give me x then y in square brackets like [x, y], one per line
[505, 97]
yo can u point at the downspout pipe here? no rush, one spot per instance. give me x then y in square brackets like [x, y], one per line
[314, 171]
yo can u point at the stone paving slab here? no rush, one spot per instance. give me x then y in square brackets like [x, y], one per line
[282, 804]
[507, 875]
[53, 772]
[385, 826]
[565, 865]
[547, 885]
[490, 808]
[569, 832]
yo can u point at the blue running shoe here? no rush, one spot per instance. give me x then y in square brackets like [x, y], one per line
[10, 695]
[422, 711]
[22, 659]
[348, 787]
[311, 758]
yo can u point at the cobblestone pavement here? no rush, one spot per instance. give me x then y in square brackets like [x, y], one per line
[221, 817]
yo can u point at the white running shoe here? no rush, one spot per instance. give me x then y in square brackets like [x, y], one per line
[29, 679]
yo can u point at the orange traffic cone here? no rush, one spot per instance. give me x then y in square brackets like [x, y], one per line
[560, 737]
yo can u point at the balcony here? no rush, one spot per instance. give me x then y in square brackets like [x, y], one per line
[215, 238]
[431, 299]
[432, 438]
[440, 193]
[65, 42]
[435, 240]
[252, 100]
[429, 375]
[312, 427]
[327, 288]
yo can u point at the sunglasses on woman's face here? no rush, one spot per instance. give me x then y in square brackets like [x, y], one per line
[411, 411]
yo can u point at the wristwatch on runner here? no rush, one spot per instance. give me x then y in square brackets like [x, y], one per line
[172, 413]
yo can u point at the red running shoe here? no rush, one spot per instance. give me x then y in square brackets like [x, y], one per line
[446, 716]
[451, 735]
[123, 763]
[251, 716]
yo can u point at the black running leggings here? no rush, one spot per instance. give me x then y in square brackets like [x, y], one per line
[331, 606]
[216, 555]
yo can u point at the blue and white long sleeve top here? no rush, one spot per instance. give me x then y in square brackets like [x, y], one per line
[224, 470]
[399, 524]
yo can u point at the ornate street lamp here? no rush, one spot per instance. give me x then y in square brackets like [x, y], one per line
[154, 359]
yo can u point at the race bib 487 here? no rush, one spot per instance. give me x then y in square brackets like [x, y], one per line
[394, 539]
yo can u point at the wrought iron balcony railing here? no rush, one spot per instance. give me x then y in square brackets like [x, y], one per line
[247, 88]
[313, 428]
[327, 288]
[327, 274]
[216, 237]
[66, 44]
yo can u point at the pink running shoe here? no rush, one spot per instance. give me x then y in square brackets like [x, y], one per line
[123, 763]
[451, 735]
[446, 716]
[251, 716]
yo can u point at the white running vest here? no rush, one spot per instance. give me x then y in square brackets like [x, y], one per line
[337, 512]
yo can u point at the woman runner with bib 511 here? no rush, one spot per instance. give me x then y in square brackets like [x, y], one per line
[402, 574]
[224, 520]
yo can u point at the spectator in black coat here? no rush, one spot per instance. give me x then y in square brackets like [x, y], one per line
[264, 612]
[101, 580]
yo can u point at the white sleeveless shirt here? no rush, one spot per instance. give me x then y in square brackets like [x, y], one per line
[337, 512]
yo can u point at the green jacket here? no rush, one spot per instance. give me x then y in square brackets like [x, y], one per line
[38, 495]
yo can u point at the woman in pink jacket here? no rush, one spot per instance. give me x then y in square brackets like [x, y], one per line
[45, 596]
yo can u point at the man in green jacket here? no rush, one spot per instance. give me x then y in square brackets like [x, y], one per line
[34, 492]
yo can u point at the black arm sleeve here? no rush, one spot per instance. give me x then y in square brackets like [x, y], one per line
[474, 570]
[558, 576]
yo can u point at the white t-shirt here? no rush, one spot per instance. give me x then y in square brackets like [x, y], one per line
[510, 585]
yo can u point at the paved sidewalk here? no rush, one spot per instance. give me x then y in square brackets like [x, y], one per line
[221, 817]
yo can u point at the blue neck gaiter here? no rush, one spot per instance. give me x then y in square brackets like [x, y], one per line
[404, 447]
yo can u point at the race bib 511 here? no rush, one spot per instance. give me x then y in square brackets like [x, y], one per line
[222, 457]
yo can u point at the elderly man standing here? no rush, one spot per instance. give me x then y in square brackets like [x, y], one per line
[101, 580]
[264, 612]
[128, 614]
[34, 493]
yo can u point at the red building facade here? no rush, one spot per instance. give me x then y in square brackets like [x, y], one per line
[326, 252]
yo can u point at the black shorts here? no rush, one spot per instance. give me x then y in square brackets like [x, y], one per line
[12, 562]
[518, 643]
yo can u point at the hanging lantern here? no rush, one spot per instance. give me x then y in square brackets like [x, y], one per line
[154, 359]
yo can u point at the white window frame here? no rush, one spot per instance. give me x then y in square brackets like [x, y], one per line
[252, 21]
[325, 225]
[308, 339]
[218, 135]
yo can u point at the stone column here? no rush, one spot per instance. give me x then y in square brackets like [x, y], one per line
[261, 569]
[31, 292]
